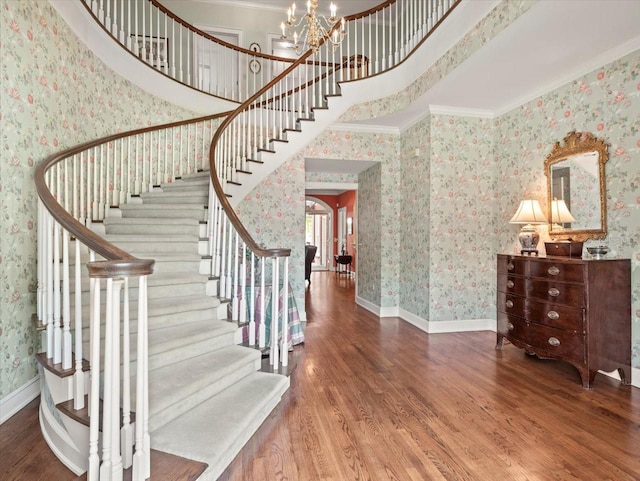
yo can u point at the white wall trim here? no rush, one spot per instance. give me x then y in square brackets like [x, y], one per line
[435, 327]
[330, 186]
[635, 377]
[15, 401]
[460, 112]
[365, 128]
[369, 306]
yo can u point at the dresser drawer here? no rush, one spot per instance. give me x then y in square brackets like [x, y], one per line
[556, 292]
[510, 265]
[556, 342]
[558, 271]
[512, 284]
[512, 327]
[555, 315]
[511, 304]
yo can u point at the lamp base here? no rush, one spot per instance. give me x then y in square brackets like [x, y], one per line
[529, 239]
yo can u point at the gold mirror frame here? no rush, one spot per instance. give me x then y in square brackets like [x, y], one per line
[577, 143]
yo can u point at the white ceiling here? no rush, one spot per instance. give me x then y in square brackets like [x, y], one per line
[553, 43]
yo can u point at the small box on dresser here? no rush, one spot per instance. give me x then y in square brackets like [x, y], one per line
[575, 310]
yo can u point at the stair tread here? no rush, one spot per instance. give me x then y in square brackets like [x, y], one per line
[193, 374]
[146, 238]
[223, 433]
[150, 221]
[134, 206]
[178, 193]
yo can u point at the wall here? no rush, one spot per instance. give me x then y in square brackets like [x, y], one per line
[605, 102]
[55, 94]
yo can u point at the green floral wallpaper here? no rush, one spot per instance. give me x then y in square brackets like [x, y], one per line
[605, 102]
[54, 94]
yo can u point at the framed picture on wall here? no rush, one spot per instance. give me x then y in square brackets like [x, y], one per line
[154, 50]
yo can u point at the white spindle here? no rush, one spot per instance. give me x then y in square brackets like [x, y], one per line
[252, 307]
[67, 347]
[285, 314]
[235, 302]
[78, 375]
[126, 432]
[57, 330]
[108, 422]
[274, 356]
[140, 459]
[93, 473]
[243, 286]
[262, 330]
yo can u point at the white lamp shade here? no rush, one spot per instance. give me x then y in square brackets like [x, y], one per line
[529, 212]
[560, 213]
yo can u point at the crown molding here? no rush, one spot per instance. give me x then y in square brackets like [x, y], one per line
[365, 128]
[460, 111]
[242, 4]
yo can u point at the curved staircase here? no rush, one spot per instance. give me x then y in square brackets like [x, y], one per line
[171, 327]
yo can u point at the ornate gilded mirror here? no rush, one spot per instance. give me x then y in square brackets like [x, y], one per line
[576, 193]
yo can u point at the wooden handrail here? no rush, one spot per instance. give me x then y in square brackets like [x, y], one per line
[118, 261]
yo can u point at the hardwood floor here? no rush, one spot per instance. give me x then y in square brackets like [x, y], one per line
[378, 399]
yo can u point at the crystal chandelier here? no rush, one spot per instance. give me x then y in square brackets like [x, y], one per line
[315, 28]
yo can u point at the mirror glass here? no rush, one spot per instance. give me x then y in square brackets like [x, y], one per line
[576, 188]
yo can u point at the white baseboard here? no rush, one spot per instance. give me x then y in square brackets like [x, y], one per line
[377, 310]
[434, 327]
[15, 401]
[635, 377]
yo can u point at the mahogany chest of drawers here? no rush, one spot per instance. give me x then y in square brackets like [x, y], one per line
[575, 310]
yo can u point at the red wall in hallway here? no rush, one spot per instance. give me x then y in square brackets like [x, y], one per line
[348, 200]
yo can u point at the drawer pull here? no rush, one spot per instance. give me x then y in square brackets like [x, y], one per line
[554, 292]
[553, 315]
[510, 326]
[510, 284]
[510, 266]
[553, 270]
[509, 303]
[554, 341]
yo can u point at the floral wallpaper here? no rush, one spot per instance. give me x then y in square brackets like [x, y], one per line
[55, 94]
[498, 19]
[605, 102]
[415, 230]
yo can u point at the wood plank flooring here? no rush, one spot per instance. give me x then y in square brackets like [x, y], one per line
[378, 399]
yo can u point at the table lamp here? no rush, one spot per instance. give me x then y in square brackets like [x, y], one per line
[560, 215]
[529, 213]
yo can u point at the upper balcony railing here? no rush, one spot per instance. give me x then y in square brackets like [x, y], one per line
[375, 41]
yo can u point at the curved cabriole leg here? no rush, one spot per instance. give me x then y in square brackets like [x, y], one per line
[499, 341]
[587, 377]
[625, 375]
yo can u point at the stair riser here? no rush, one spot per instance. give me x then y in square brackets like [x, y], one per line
[154, 292]
[197, 200]
[164, 213]
[196, 188]
[150, 229]
[160, 322]
[149, 247]
[159, 419]
[188, 350]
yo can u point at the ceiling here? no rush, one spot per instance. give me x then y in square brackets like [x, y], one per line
[551, 44]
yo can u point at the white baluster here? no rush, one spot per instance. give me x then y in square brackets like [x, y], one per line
[93, 473]
[285, 315]
[57, 330]
[274, 355]
[78, 375]
[141, 462]
[262, 330]
[108, 407]
[252, 308]
[126, 432]
[235, 302]
[66, 306]
[243, 286]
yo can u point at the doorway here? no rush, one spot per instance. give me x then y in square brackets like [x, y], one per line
[318, 232]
